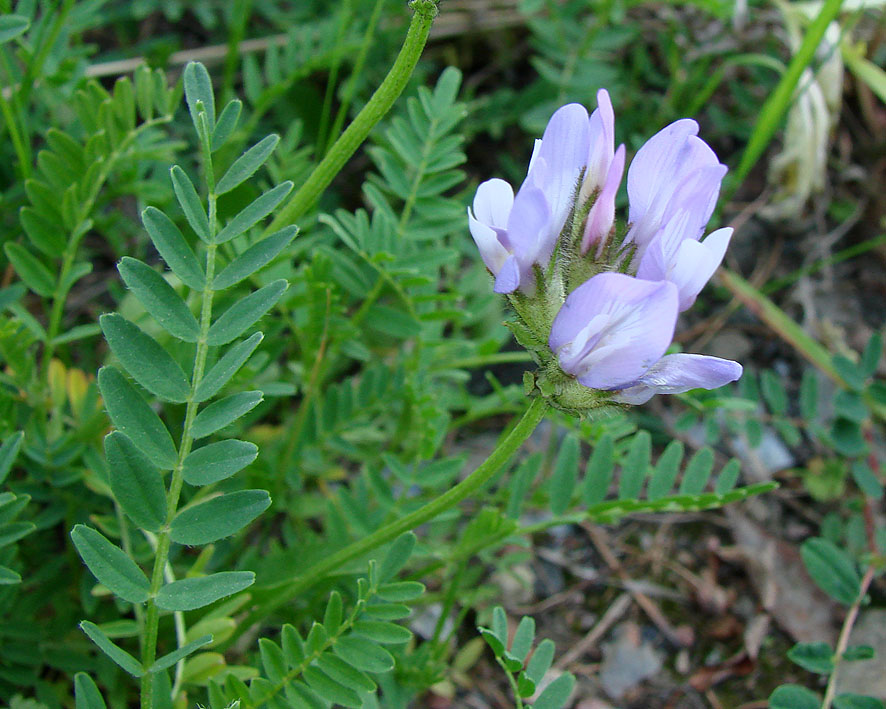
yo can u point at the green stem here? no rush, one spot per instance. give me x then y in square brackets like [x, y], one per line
[351, 86]
[372, 113]
[161, 555]
[845, 632]
[287, 591]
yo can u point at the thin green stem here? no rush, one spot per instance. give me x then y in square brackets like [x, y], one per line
[512, 682]
[332, 79]
[351, 87]
[845, 632]
[161, 555]
[288, 590]
[375, 109]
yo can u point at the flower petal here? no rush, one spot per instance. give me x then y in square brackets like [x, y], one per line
[508, 278]
[633, 323]
[488, 243]
[676, 373]
[602, 214]
[602, 144]
[527, 224]
[564, 150]
[493, 202]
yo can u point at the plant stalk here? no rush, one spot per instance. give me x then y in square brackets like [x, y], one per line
[375, 109]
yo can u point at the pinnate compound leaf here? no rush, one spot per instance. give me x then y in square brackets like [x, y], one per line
[224, 412]
[30, 269]
[198, 88]
[190, 203]
[363, 654]
[793, 696]
[217, 461]
[556, 694]
[110, 565]
[174, 249]
[226, 367]
[218, 517]
[145, 359]
[173, 657]
[256, 256]
[86, 693]
[11, 26]
[188, 594]
[331, 690]
[9, 452]
[254, 212]
[242, 314]
[136, 482]
[246, 165]
[116, 653]
[131, 415]
[814, 657]
[831, 569]
[159, 299]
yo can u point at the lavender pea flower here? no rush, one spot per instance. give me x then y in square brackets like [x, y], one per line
[674, 170]
[513, 233]
[612, 333]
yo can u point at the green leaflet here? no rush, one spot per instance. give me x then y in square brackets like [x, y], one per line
[227, 123]
[253, 213]
[44, 235]
[145, 359]
[30, 269]
[11, 26]
[340, 671]
[382, 632]
[363, 654]
[218, 517]
[813, 657]
[198, 89]
[698, 472]
[173, 247]
[188, 594]
[635, 467]
[556, 694]
[159, 299]
[598, 475]
[131, 415]
[254, 258]
[793, 696]
[110, 565]
[831, 569]
[223, 412]
[563, 480]
[136, 482]
[331, 690]
[9, 452]
[246, 165]
[665, 472]
[173, 657]
[242, 314]
[116, 653]
[217, 461]
[190, 202]
[86, 693]
[226, 367]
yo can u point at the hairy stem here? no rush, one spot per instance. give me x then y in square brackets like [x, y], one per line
[289, 590]
[375, 109]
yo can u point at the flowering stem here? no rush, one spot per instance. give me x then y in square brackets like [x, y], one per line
[372, 113]
[474, 482]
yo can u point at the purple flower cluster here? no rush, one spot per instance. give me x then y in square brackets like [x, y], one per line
[611, 332]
